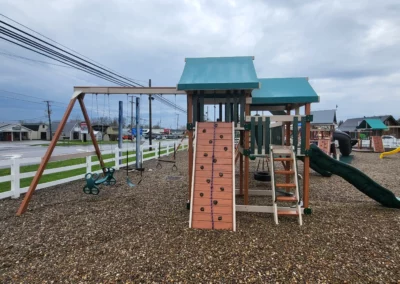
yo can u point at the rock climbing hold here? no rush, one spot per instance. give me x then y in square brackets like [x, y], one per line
[221, 188]
[225, 148]
[201, 167]
[208, 180]
[221, 136]
[219, 218]
[201, 194]
[215, 202]
[214, 160]
[215, 124]
[204, 130]
[202, 209]
[221, 174]
[205, 154]
[210, 141]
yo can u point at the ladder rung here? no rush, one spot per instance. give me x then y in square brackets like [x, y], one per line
[283, 172]
[283, 159]
[289, 185]
[286, 198]
[282, 151]
[288, 213]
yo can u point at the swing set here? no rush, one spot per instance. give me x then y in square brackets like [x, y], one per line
[79, 95]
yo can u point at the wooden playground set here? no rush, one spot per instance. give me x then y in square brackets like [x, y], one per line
[231, 86]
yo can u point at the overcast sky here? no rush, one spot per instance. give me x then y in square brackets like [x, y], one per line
[348, 49]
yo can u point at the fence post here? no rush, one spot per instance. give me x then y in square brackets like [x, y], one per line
[167, 149]
[15, 181]
[117, 158]
[88, 164]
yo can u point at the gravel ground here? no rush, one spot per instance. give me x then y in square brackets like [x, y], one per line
[141, 234]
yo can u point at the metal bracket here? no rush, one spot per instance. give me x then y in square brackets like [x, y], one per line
[309, 118]
[190, 126]
[246, 152]
[247, 126]
[307, 211]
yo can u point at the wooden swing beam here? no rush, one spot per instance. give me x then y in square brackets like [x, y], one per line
[79, 94]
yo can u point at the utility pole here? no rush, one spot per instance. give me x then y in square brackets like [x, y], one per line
[49, 116]
[177, 119]
[150, 122]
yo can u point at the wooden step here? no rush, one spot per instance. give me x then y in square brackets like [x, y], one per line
[286, 198]
[284, 172]
[283, 159]
[286, 185]
[288, 213]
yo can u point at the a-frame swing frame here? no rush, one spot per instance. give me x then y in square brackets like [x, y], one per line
[79, 95]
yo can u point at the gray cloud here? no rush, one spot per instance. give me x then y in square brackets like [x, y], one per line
[349, 50]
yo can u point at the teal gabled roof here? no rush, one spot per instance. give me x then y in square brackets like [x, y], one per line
[373, 124]
[284, 91]
[219, 73]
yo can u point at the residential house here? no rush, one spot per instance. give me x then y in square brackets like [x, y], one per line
[393, 126]
[39, 130]
[323, 124]
[71, 131]
[14, 132]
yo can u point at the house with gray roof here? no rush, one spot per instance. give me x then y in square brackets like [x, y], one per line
[14, 132]
[71, 130]
[324, 117]
[39, 130]
[351, 124]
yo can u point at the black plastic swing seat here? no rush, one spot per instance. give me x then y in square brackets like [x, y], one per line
[167, 161]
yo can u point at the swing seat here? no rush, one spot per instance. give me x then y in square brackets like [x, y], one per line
[92, 181]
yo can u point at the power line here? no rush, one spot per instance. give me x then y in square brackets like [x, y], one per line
[36, 32]
[19, 94]
[33, 60]
[65, 59]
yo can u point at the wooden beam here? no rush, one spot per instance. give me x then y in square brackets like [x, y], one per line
[288, 164]
[306, 174]
[89, 126]
[241, 163]
[246, 145]
[190, 150]
[25, 202]
[129, 90]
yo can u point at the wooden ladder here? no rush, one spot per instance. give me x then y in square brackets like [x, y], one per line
[285, 154]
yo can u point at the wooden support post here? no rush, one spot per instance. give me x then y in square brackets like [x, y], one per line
[246, 145]
[190, 150]
[306, 175]
[25, 202]
[241, 164]
[89, 126]
[287, 137]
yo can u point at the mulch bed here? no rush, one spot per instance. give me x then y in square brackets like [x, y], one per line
[141, 234]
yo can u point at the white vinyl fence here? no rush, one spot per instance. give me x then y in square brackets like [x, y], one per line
[119, 155]
[387, 143]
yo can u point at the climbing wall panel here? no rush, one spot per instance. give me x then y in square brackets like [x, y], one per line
[213, 199]
[325, 145]
[378, 144]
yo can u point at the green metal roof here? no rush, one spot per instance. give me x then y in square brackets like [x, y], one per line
[284, 91]
[373, 124]
[218, 73]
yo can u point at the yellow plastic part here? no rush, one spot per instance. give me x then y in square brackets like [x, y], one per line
[389, 153]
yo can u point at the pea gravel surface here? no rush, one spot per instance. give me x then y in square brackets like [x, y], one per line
[141, 234]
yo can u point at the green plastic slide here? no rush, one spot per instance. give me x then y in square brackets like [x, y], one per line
[354, 176]
[317, 169]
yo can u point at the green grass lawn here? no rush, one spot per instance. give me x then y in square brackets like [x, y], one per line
[6, 186]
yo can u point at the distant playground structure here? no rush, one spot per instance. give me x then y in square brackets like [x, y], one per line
[231, 87]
